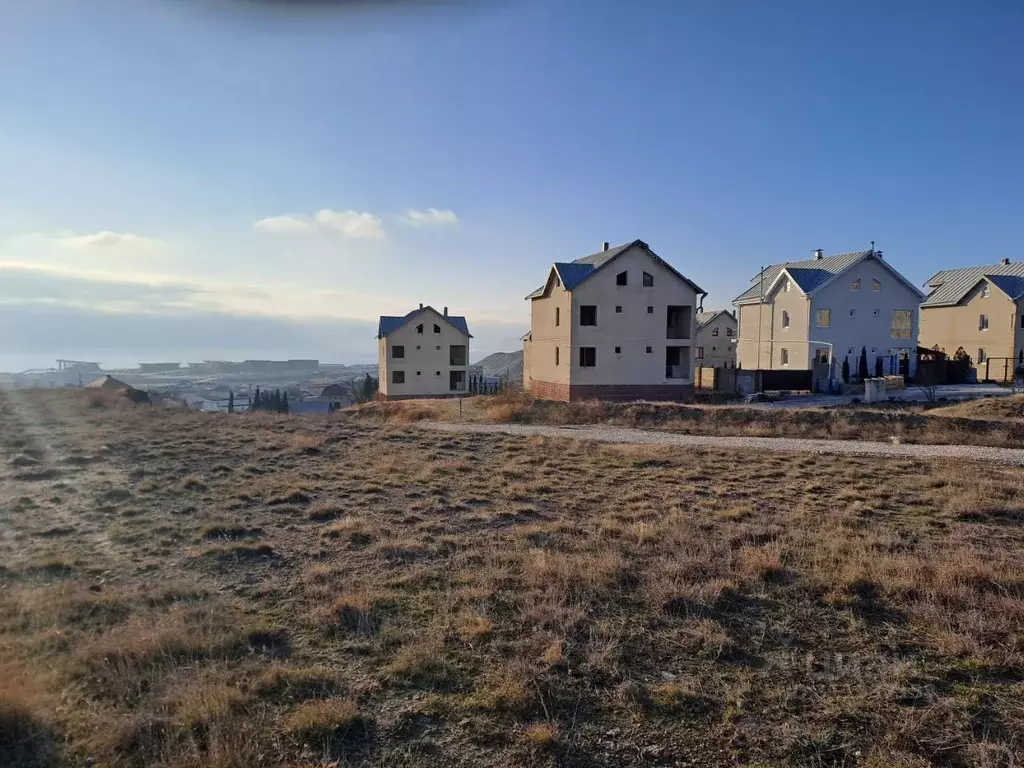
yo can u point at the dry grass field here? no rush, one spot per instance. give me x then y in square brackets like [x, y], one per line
[992, 421]
[181, 589]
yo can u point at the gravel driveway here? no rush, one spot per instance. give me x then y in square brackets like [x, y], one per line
[606, 434]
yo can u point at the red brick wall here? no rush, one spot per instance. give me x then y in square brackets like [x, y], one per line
[546, 390]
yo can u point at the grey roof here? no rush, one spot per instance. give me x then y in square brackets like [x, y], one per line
[389, 323]
[809, 274]
[703, 318]
[951, 285]
[573, 273]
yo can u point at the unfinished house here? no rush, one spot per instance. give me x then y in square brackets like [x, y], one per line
[423, 354]
[979, 309]
[801, 314]
[716, 339]
[615, 325]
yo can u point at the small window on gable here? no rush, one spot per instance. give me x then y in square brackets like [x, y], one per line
[650, 310]
[730, 331]
[437, 328]
[855, 285]
[622, 278]
[876, 286]
[419, 328]
[648, 280]
[985, 291]
[785, 286]
[714, 331]
[650, 350]
[618, 350]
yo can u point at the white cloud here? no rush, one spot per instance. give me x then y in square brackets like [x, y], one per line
[352, 223]
[119, 242]
[430, 217]
[286, 224]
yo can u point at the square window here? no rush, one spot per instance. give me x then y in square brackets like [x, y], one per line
[418, 373]
[588, 357]
[648, 280]
[650, 310]
[398, 377]
[588, 315]
[397, 353]
[649, 350]
[823, 318]
[618, 310]
[618, 350]
[622, 278]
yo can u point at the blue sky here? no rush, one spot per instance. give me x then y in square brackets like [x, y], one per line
[192, 178]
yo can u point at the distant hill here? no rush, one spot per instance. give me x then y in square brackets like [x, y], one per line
[504, 363]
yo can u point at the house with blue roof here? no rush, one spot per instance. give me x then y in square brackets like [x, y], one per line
[423, 354]
[618, 324]
[812, 314]
[979, 310]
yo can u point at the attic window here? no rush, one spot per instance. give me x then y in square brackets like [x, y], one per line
[714, 331]
[876, 286]
[985, 291]
[855, 285]
[648, 280]
[437, 328]
[785, 286]
[419, 328]
[622, 278]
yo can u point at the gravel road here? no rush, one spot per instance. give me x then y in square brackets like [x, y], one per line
[606, 434]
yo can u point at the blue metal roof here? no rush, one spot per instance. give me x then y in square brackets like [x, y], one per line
[389, 323]
[951, 285]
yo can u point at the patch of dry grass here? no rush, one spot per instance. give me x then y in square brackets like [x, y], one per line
[490, 600]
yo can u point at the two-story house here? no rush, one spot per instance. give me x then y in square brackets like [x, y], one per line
[982, 310]
[716, 339]
[615, 325]
[827, 308]
[423, 354]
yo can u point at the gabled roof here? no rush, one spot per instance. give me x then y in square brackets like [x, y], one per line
[389, 323]
[572, 273]
[950, 286]
[811, 275]
[704, 318]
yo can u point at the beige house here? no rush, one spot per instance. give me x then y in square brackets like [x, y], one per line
[616, 325]
[423, 354]
[716, 339]
[982, 310]
[827, 308]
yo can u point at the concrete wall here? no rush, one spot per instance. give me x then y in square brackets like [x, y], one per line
[539, 353]
[720, 350]
[952, 327]
[426, 367]
[632, 330]
[773, 336]
[871, 326]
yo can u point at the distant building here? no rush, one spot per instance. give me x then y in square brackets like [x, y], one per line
[423, 354]
[982, 310]
[716, 339]
[796, 313]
